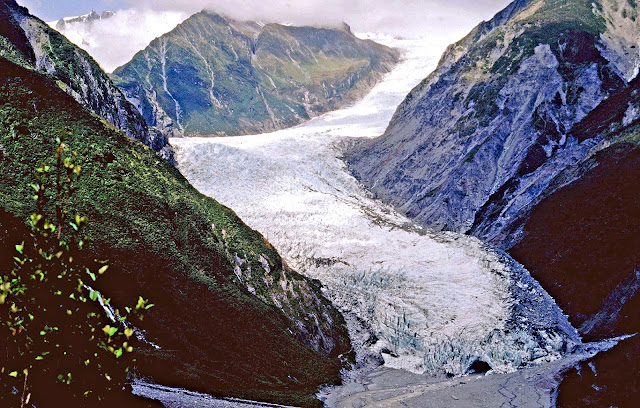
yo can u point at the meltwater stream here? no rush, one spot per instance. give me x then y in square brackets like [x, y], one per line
[433, 302]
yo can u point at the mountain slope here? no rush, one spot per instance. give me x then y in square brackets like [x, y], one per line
[581, 242]
[215, 76]
[230, 317]
[475, 143]
[29, 41]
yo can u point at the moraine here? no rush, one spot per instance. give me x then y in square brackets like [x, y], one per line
[432, 302]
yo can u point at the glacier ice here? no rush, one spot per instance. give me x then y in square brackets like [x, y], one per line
[436, 302]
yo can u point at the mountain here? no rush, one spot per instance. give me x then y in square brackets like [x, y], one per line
[474, 144]
[581, 242]
[28, 41]
[215, 76]
[528, 136]
[87, 18]
[230, 317]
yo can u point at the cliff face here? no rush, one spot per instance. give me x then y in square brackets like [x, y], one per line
[30, 42]
[581, 242]
[215, 76]
[477, 142]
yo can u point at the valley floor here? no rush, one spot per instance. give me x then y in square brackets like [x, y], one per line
[383, 387]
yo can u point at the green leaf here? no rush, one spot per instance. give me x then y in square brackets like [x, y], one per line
[92, 275]
[20, 248]
[13, 374]
[94, 296]
[118, 353]
[113, 331]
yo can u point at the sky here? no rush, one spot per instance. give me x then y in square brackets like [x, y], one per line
[387, 13]
[137, 22]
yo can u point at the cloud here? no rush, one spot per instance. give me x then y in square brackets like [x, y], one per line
[114, 41]
[451, 18]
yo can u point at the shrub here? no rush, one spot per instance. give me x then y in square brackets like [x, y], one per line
[61, 340]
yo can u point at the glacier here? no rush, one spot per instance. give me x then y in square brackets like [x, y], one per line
[431, 302]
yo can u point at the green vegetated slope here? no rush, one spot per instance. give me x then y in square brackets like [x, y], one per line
[215, 76]
[230, 317]
[30, 42]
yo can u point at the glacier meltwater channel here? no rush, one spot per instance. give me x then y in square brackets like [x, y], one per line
[434, 302]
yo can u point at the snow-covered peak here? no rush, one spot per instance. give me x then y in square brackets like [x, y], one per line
[87, 18]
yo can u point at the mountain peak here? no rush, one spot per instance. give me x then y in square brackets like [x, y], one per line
[219, 76]
[87, 18]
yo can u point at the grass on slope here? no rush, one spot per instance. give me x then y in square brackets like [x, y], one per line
[167, 242]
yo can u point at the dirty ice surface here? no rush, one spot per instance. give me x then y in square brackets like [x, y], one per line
[432, 302]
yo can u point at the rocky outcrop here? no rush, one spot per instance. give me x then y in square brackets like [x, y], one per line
[482, 137]
[215, 76]
[34, 44]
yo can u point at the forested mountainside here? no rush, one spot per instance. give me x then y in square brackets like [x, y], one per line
[215, 76]
[28, 41]
[230, 318]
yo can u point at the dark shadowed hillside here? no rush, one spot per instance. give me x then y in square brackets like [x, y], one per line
[215, 282]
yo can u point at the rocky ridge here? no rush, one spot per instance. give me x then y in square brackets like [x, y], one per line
[88, 18]
[29, 41]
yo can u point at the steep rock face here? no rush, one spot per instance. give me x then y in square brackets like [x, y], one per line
[32, 43]
[478, 141]
[581, 242]
[230, 317]
[215, 76]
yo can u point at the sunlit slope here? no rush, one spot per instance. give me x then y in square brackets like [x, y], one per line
[215, 76]
[476, 142]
